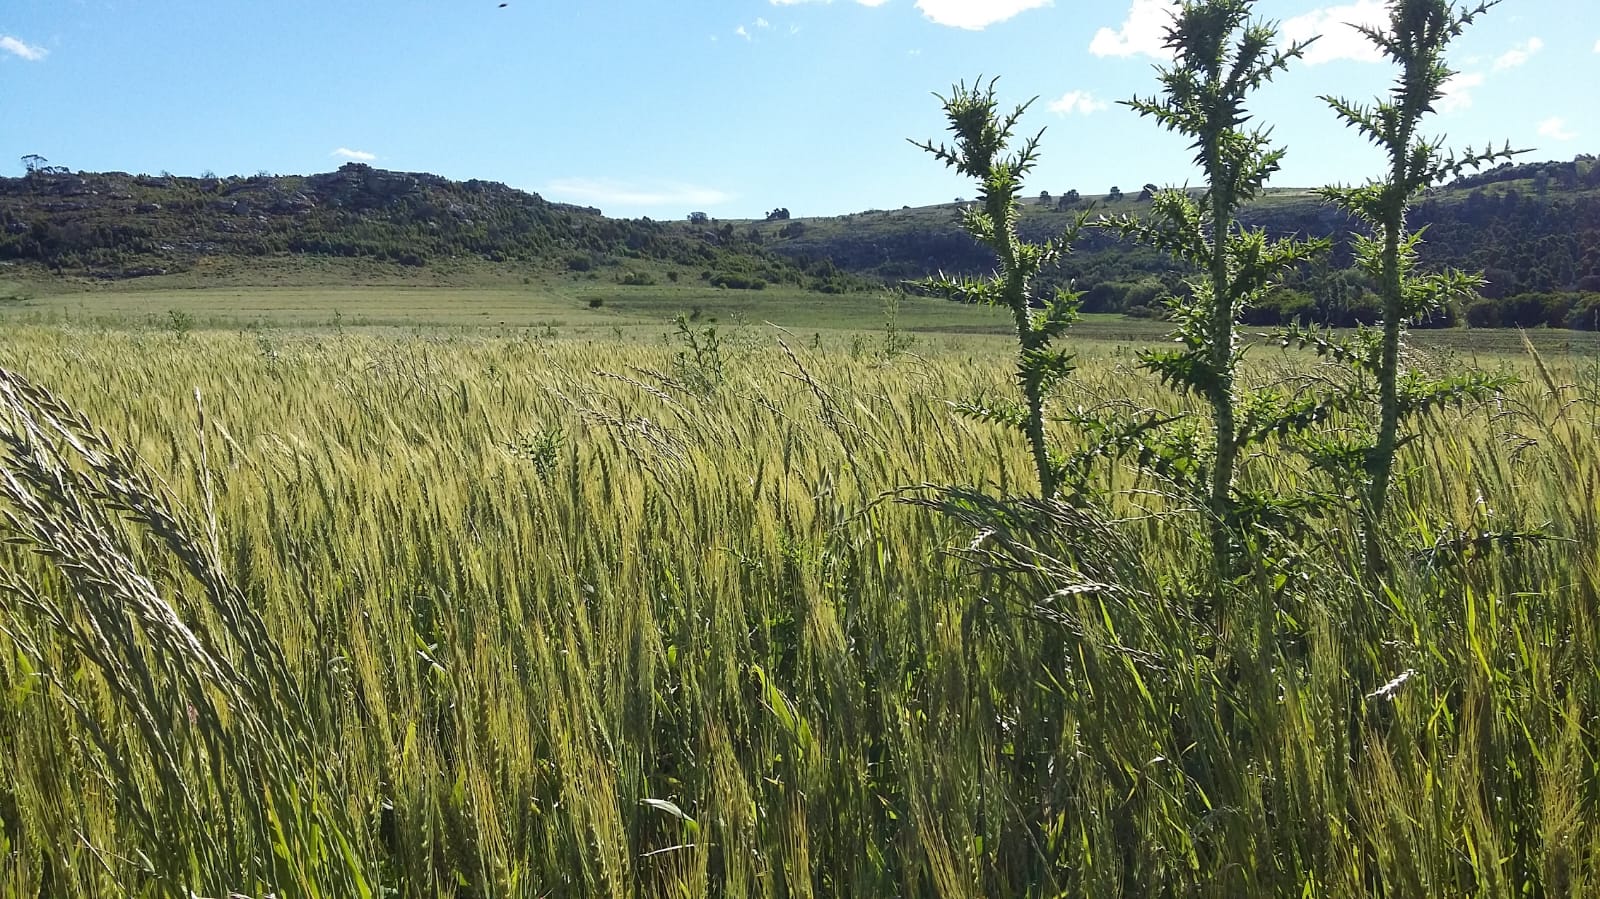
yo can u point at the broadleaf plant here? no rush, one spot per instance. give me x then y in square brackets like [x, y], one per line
[1221, 56]
[982, 150]
[1417, 35]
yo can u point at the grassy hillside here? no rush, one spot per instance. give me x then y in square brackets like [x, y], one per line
[115, 226]
[1533, 229]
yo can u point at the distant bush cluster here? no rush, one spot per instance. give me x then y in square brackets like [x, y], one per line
[1579, 311]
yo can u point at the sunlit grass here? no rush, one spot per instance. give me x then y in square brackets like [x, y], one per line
[550, 624]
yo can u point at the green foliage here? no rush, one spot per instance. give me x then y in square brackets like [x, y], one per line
[983, 150]
[636, 279]
[700, 363]
[1415, 40]
[700, 656]
[191, 719]
[1221, 57]
[179, 323]
[114, 226]
[542, 447]
[896, 341]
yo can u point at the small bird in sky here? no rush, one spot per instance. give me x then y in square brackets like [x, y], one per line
[504, 5]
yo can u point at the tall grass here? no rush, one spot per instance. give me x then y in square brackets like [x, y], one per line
[341, 630]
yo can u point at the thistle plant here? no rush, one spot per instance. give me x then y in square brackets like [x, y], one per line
[1221, 56]
[982, 139]
[1415, 41]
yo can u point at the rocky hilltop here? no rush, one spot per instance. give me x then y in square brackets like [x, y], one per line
[115, 225]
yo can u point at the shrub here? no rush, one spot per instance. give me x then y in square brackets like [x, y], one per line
[1585, 313]
[733, 281]
[1482, 313]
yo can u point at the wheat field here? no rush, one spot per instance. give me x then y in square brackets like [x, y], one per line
[466, 614]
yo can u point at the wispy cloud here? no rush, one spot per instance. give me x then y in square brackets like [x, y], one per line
[1335, 29]
[609, 191]
[1142, 31]
[357, 155]
[1081, 102]
[1556, 128]
[1518, 54]
[751, 31]
[1458, 92]
[976, 15]
[20, 48]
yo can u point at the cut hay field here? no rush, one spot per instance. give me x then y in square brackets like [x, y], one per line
[525, 611]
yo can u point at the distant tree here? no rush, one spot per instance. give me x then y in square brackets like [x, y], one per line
[780, 214]
[1044, 198]
[1148, 193]
[699, 218]
[1068, 200]
[1115, 194]
[38, 165]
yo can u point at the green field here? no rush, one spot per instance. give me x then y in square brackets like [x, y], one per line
[483, 610]
[488, 302]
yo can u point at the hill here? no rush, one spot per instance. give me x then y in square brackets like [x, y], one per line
[1534, 229]
[116, 226]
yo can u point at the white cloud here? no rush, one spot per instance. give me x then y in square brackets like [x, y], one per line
[763, 23]
[1081, 102]
[608, 191]
[975, 15]
[1458, 92]
[742, 32]
[1556, 128]
[16, 47]
[1597, 46]
[1143, 31]
[1333, 27]
[1518, 54]
[357, 155]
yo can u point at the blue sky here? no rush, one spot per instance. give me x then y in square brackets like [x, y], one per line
[733, 107]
